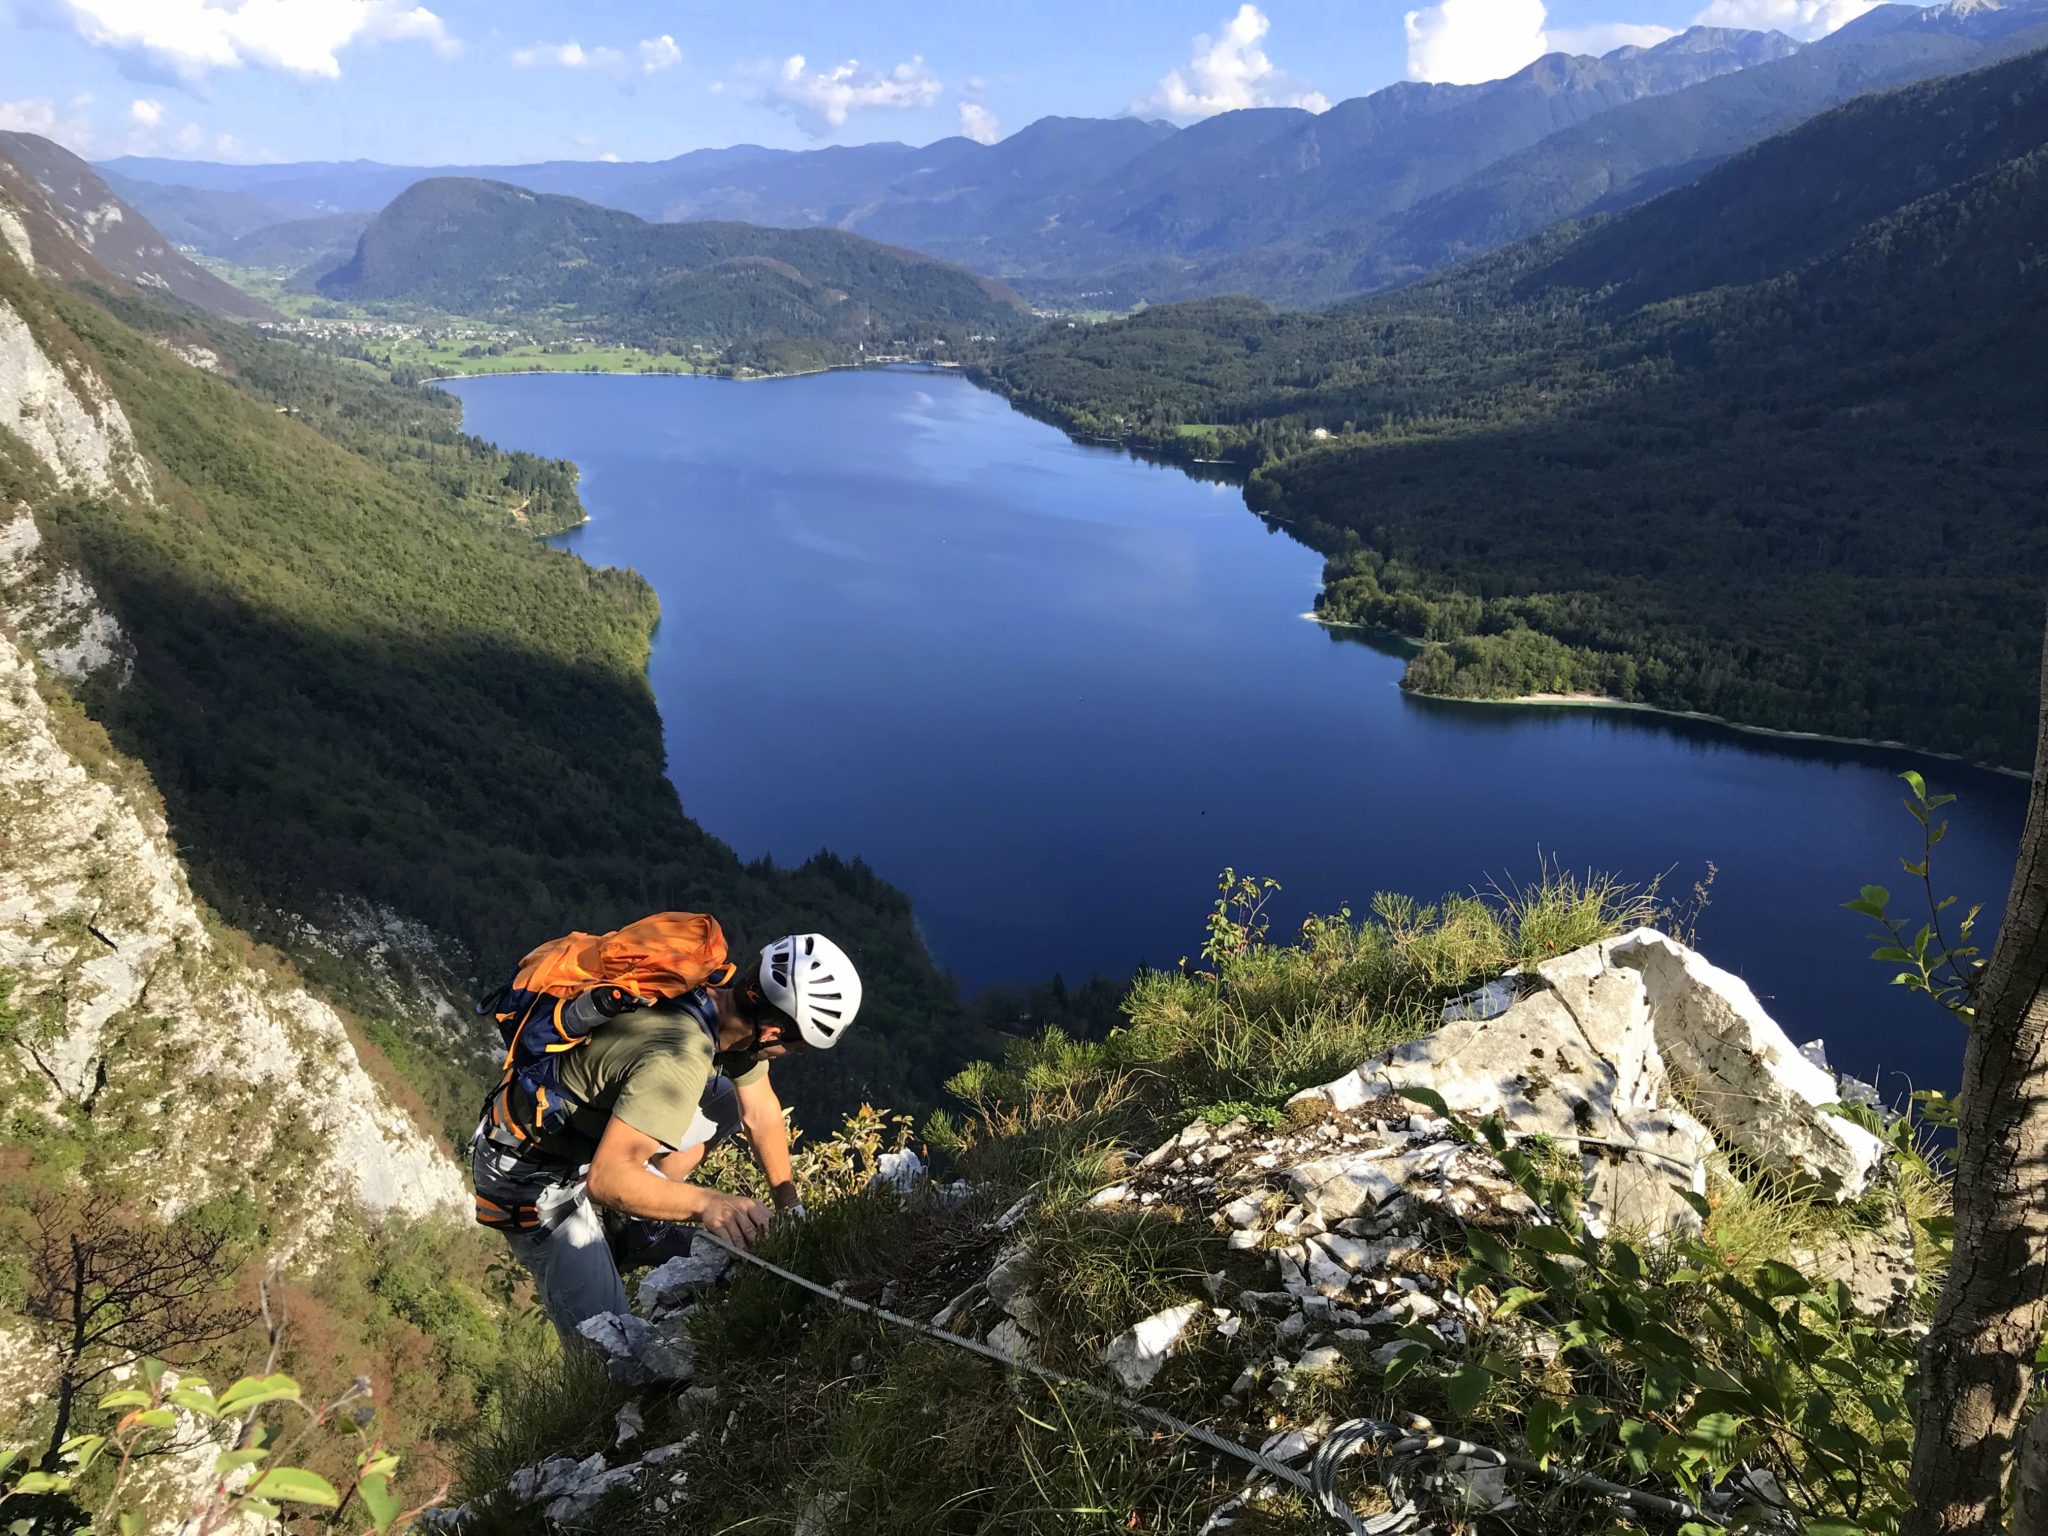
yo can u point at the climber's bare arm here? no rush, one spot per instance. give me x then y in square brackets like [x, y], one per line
[621, 1181]
[768, 1133]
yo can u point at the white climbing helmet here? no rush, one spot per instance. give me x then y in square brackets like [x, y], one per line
[810, 979]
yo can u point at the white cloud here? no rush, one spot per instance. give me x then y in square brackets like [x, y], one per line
[978, 123]
[145, 113]
[191, 138]
[650, 56]
[828, 97]
[1226, 74]
[609, 158]
[301, 37]
[69, 124]
[658, 53]
[1803, 19]
[1465, 41]
[1605, 37]
[565, 56]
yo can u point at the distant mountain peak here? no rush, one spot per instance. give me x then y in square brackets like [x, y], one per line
[1772, 44]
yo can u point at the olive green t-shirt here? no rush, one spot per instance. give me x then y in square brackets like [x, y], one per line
[649, 1068]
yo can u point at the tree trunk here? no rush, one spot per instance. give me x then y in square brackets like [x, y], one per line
[1977, 1362]
[74, 1362]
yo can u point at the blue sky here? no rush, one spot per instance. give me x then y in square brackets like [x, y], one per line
[481, 81]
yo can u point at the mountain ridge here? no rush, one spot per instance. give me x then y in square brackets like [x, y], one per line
[1300, 208]
[44, 179]
[1023, 204]
[489, 249]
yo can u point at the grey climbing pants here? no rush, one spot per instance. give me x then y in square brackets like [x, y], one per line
[575, 1251]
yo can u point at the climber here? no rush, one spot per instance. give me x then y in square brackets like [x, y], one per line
[611, 1102]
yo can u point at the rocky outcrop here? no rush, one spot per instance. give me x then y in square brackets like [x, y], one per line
[1136, 1355]
[1738, 1068]
[567, 1492]
[1577, 1066]
[1635, 1059]
[56, 610]
[1633, 1048]
[138, 1005]
[66, 415]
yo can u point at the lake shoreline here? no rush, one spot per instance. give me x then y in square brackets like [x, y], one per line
[1607, 701]
[1636, 706]
[1564, 701]
[677, 373]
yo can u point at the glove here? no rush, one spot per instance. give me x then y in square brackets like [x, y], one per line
[795, 1212]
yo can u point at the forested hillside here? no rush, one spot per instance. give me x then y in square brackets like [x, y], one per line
[1810, 500]
[359, 679]
[322, 242]
[46, 179]
[762, 295]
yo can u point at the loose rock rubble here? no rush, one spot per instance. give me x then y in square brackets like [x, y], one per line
[569, 1490]
[639, 1353]
[1635, 1059]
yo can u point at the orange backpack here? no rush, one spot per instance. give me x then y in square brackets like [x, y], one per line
[656, 960]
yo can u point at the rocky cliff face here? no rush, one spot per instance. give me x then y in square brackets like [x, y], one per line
[65, 415]
[140, 1008]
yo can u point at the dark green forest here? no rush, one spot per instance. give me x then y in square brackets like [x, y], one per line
[771, 299]
[357, 677]
[1768, 447]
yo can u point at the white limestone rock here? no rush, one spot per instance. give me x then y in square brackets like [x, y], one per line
[1324, 1357]
[1742, 1071]
[1877, 1264]
[1009, 1275]
[1593, 1055]
[1011, 1341]
[899, 1171]
[1140, 1352]
[56, 610]
[579, 1501]
[1533, 1064]
[66, 415]
[1198, 1135]
[630, 1424]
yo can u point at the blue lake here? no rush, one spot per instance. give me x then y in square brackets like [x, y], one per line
[1050, 691]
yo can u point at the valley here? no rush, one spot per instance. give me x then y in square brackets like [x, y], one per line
[1399, 720]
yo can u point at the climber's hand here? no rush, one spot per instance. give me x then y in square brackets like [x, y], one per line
[734, 1218]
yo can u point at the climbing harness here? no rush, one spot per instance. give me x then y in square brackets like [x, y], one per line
[1415, 1437]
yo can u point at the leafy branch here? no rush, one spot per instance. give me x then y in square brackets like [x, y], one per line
[1945, 971]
